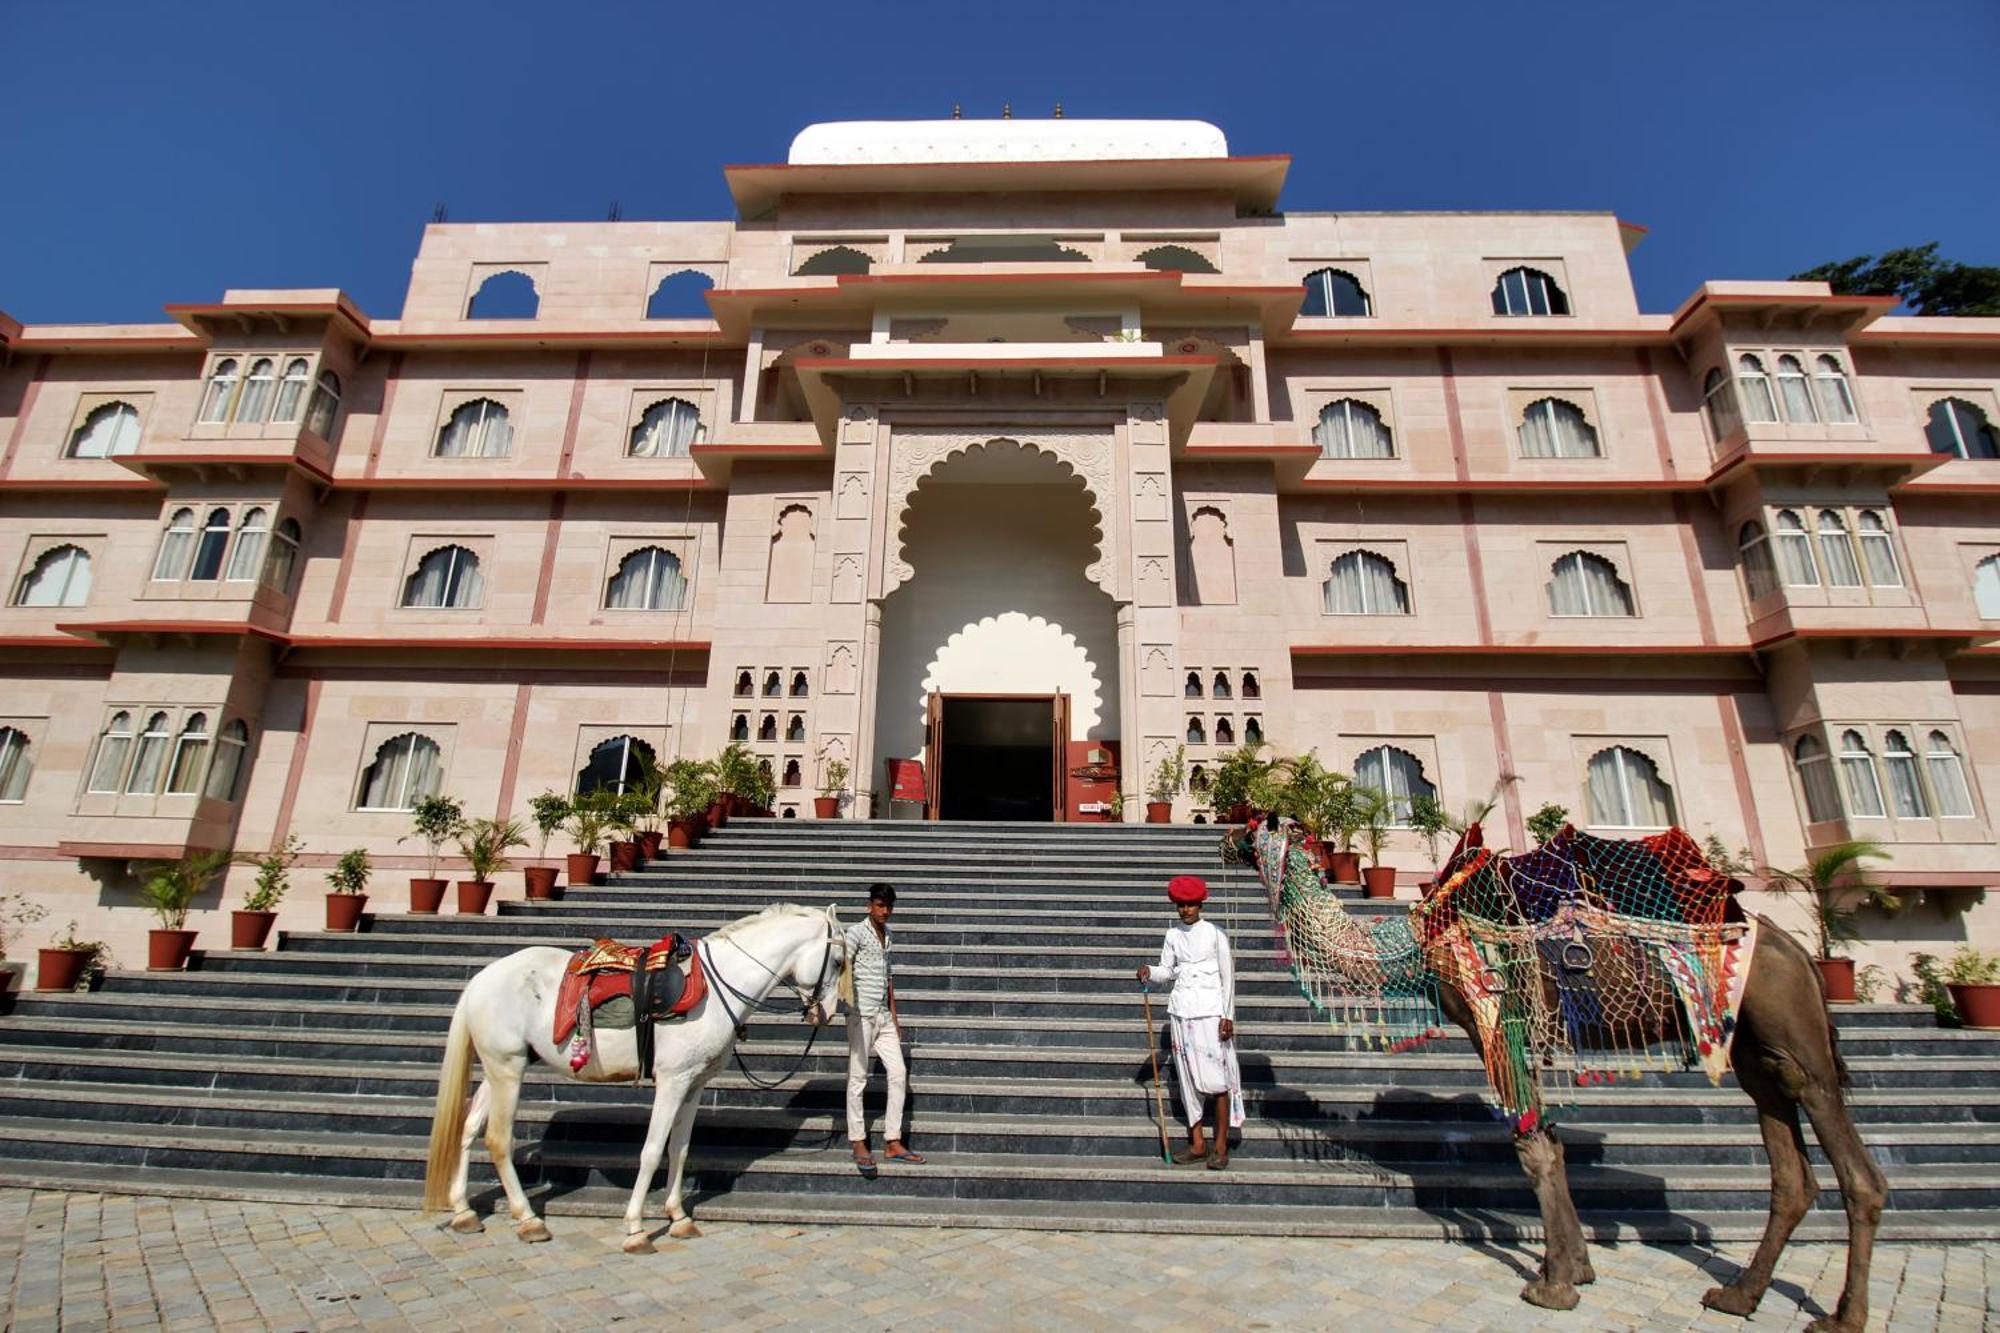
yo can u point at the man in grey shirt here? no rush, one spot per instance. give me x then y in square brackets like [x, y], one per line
[873, 1032]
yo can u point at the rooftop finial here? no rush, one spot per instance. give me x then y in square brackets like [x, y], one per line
[957, 111]
[1058, 110]
[1006, 111]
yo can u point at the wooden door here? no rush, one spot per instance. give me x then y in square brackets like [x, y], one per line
[1059, 790]
[933, 755]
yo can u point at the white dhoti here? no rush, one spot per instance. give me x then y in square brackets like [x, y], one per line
[1205, 1065]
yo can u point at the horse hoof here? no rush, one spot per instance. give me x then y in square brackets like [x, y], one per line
[1730, 1300]
[1550, 1295]
[466, 1223]
[1585, 1274]
[534, 1231]
[639, 1242]
[684, 1229]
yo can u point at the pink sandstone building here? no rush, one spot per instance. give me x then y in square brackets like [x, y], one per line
[1027, 449]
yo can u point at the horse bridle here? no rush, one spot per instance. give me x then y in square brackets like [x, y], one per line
[807, 1001]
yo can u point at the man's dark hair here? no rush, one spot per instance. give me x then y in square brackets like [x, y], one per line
[1271, 821]
[882, 893]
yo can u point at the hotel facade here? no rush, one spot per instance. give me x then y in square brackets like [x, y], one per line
[1030, 450]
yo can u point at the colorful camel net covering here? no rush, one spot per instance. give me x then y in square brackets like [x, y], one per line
[1580, 961]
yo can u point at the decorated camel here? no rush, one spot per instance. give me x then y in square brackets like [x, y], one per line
[1585, 952]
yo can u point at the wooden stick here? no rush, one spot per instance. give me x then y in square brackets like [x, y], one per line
[1159, 1093]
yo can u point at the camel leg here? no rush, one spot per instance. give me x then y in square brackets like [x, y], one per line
[463, 1219]
[1566, 1260]
[667, 1099]
[1862, 1189]
[504, 1077]
[683, 1227]
[1793, 1187]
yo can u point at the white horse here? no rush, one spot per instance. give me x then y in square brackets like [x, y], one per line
[507, 1015]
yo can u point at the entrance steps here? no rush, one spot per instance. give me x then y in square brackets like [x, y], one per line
[307, 1073]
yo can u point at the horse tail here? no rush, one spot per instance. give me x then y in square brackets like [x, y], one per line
[448, 1119]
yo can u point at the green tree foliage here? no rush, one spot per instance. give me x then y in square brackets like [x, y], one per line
[1918, 277]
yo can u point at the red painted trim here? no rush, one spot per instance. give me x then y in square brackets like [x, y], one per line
[82, 485]
[1624, 682]
[140, 462]
[580, 381]
[1915, 463]
[204, 628]
[1422, 485]
[551, 339]
[179, 341]
[1863, 632]
[1503, 745]
[1697, 578]
[840, 364]
[546, 577]
[295, 770]
[350, 539]
[390, 379]
[801, 449]
[28, 396]
[1250, 452]
[539, 485]
[1921, 336]
[421, 640]
[1881, 305]
[1498, 334]
[1454, 424]
[1947, 488]
[507, 674]
[517, 726]
[1656, 411]
[1739, 771]
[1475, 568]
[45, 641]
[127, 851]
[1519, 650]
[1056, 272]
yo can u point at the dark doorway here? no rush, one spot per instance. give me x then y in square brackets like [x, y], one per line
[996, 757]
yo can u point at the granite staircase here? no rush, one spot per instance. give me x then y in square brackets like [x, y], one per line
[307, 1072]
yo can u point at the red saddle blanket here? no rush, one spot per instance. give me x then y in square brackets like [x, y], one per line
[604, 972]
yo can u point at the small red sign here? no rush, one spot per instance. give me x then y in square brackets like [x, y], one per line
[906, 779]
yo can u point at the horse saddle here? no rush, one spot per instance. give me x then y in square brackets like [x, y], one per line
[617, 985]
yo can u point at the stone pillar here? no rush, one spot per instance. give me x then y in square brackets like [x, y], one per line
[1131, 782]
[865, 773]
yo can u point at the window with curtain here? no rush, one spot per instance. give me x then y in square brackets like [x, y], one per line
[230, 747]
[1552, 428]
[16, 764]
[1760, 575]
[176, 545]
[1363, 583]
[149, 762]
[445, 578]
[1794, 550]
[114, 748]
[292, 390]
[478, 429]
[324, 405]
[1836, 396]
[1584, 584]
[1719, 397]
[215, 399]
[1986, 587]
[1221, 690]
[1196, 733]
[1754, 388]
[1958, 427]
[1795, 391]
[1954, 797]
[246, 558]
[615, 765]
[109, 430]
[1837, 550]
[1878, 550]
[1528, 291]
[60, 576]
[1906, 787]
[209, 548]
[1396, 773]
[1624, 789]
[667, 430]
[1332, 291]
[258, 385]
[190, 754]
[1857, 776]
[284, 555]
[405, 769]
[1816, 777]
[1350, 428]
[649, 579]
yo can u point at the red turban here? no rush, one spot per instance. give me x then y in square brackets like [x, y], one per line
[1187, 889]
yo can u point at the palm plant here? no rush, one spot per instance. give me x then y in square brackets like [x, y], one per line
[170, 887]
[1830, 881]
[1430, 821]
[484, 843]
[1240, 772]
[588, 817]
[1378, 817]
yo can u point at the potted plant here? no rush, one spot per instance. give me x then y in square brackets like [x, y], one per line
[760, 792]
[1837, 871]
[646, 814]
[690, 792]
[15, 912]
[832, 786]
[621, 816]
[587, 819]
[1973, 979]
[1378, 815]
[1548, 821]
[484, 843]
[348, 881]
[1168, 778]
[1241, 771]
[435, 820]
[735, 773]
[548, 811]
[169, 888]
[68, 963]
[1114, 808]
[250, 924]
[1430, 821]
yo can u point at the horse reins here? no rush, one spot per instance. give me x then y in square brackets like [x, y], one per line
[723, 990]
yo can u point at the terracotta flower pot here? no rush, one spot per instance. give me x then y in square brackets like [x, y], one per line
[1159, 812]
[1343, 867]
[1239, 813]
[1838, 975]
[624, 857]
[684, 832]
[826, 807]
[60, 969]
[343, 910]
[1978, 1003]
[250, 927]
[649, 843]
[541, 881]
[1380, 881]
[582, 868]
[473, 895]
[426, 895]
[168, 950]
[718, 812]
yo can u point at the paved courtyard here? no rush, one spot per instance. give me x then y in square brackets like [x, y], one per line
[88, 1261]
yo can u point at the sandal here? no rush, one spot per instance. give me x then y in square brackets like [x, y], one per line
[1218, 1162]
[912, 1158]
[865, 1164]
[1188, 1156]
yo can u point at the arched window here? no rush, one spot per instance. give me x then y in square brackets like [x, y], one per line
[16, 764]
[1528, 291]
[764, 767]
[176, 545]
[1958, 427]
[507, 295]
[790, 776]
[1221, 690]
[681, 295]
[795, 728]
[1196, 733]
[190, 755]
[1176, 259]
[1795, 391]
[745, 685]
[109, 430]
[1794, 548]
[1331, 291]
[1584, 584]
[284, 555]
[767, 727]
[246, 559]
[1624, 789]
[257, 387]
[324, 405]
[1986, 587]
[1816, 777]
[1225, 732]
[60, 576]
[1754, 386]
[1719, 396]
[1836, 396]
[1198, 781]
[114, 748]
[739, 727]
[1552, 428]
[478, 429]
[1350, 428]
[208, 550]
[1251, 689]
[1363, 583]
[1397, 774]
[406, 769]
[292, 390]
[833, 261]
[1836, 548]
[1906, 788]
[666, 430]
[1760, 576]
[446, 577]
[150, 762]
[801, 687]
[229, 750]
[649, 579]
[1194, 687]
[774, 685]
[1253, 731]
[215, 400]
[1857, 776]
[615, 765]
[1947, 772]
[1878, 550]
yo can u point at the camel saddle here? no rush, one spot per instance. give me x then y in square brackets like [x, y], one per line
[625, 985]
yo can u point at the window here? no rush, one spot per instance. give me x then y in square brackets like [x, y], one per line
[176, 544]
[109, 430]
[284, 555]
[1837, 550]
[739, 728]
[1822, 801]
[795, 728]
[774, 685]
[190, 753]
[666, 430]
[246, 559]
[1350, 428]
[291, 390]
[1194, 687]
[16, 764]
[1225, 734]
[1857, 776]
[446, 577]
[1954, 798]
[257, 386]
[506, 295]
[208, 551]
[149, 764]
[1552, 428]
[1330, 291]
[1760, 576]
[767, 727]
[1986, 587]
[791, 776]
[325, 404]
[745, 686]
[1176, 259]
[1624, 790]
[406, 768]
[1587, 585]
[1198, 781]
[615, 765]
[215, 401]
[801, 687]
[1906, 788]
[1196, 734]
[1794, 549]
[1363, 583]
[60, 576]
[1528, 291]
[1251, 689]
[1253, 731]
[1221, 690]
[1836, 396]
[1958, 427]
[478, 429]
[1755, 386]
[1878, 550]
[114, 747]
[649, 579]
[681, 295]
[1795, 391]
[1719, 396]
[228, 762]
[1397, 774]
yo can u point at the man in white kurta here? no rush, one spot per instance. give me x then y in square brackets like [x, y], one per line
[1195, 960]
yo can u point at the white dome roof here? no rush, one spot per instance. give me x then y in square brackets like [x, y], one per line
[893, 141]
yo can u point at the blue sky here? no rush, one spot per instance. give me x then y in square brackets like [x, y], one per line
[162, 152]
